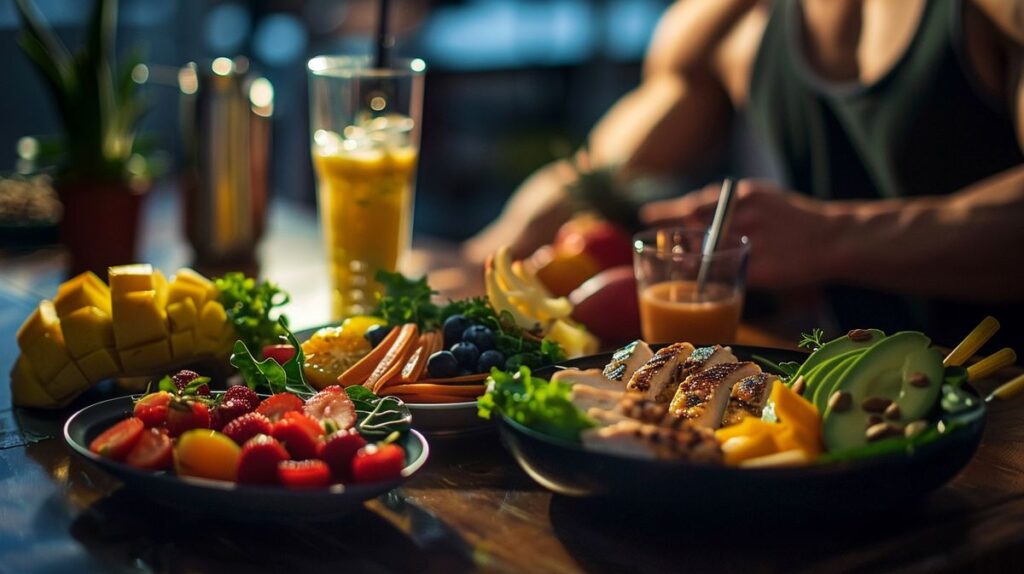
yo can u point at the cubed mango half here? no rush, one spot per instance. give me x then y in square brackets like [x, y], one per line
[138, 319]
[86, 330]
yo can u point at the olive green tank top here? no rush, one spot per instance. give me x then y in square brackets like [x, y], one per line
[926, 127]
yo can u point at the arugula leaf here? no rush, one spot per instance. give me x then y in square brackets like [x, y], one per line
[406, 301]
[166, 384]
[378, 416]
[249, 305]
[533, 402]
[268, 373]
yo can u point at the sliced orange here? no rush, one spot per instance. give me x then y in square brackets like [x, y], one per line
[330, 352]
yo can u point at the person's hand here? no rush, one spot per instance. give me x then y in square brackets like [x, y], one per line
[789, 233]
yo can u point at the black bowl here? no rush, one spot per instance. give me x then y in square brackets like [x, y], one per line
[225, 498]
[825, 489]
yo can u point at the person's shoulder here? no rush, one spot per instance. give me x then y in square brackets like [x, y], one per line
[1007, 16]
[692, 31]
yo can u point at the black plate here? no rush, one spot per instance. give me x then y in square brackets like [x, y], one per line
[846, 487]
[214, 496]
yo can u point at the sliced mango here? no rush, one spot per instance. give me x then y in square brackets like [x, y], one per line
[43, 320]
[47, 355]
[146, 357]
[82, 293]
[184, 291]
[160, 286]
[191, 276]
[183, 344]
[183, 315]
[740, 448]
[99, 365]
[68, 383]
[574, 340]
[802, 418]
[86, 277]
[86, 330]
[128, 278]
[138, 319]
[211, 321]
[26, 388]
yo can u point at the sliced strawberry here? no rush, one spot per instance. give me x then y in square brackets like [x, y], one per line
[332, 407]
[152, 408]
[117, 441]
[153, 451]
[231, 409]
[378, 463]
[303, 473]
[338, 451]
[276, 405]
[187, 415]
[247, 426]
[259, 459]
[299, 433]
[280, 353]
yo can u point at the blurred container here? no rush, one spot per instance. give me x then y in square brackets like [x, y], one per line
[226, 120]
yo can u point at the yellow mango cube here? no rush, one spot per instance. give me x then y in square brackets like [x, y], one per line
[82, 294]
[86, 277]
[26, 388]
[129, 278]
[182, 315]
[138, 319]
[183, 345]
[47, 355]
[160, 286]
[183, 290]
[43, 320]
[99, 365]
[86, 330]
[212, 320]
[207, 345]
[68, 383]
[145, 358]
[193, 277]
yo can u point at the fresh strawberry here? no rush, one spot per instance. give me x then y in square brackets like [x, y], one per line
[299, 433]
[152, 408]
[182, 379]
[338, 451]
[303, 473]
[378, 462]
[276, 405]
[332, 407]
[153, 451]
[260, 456]
[231, 409]
[183, 415]
[247, 426]
[242, 392]
[117, 441]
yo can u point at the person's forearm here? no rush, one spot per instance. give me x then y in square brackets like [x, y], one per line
[969, 245]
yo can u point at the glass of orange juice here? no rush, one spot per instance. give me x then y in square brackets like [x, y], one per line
[365, 126]
[673, 307]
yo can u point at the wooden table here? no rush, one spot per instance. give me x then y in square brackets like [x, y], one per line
[470, 508]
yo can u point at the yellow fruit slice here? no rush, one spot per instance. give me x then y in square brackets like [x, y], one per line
[574, 340]
[99, 365]
[138, 319]
[86, 330]
[144, 358]
[81, 294]
[183, 344]
[47, 355]
[127, 278]
[42, 321]
[183, 315]
[184, 291]
[332, 350]
[68, 383]
[211, 321]
[206, 453]
[26, 388]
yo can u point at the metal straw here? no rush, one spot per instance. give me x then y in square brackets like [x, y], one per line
[719, 226]
[383, 38]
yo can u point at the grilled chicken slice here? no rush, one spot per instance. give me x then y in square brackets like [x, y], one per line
[586, 397]
[590, 377]
[657, 378]
[633, 407]
[748, 397]
[606, 417]
[702, 397]
[704, 357]
[639, 440]
[627, 360]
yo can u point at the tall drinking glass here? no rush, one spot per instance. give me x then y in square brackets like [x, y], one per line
[667, 264]
[365, 125]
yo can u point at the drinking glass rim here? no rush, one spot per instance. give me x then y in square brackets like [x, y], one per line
[352, 65]
[642, 244]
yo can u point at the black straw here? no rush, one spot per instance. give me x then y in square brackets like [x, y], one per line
[383, 38]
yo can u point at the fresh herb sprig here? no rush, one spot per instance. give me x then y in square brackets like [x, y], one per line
[270, 375]
[812, 341]
[407, 301]
[250, 305]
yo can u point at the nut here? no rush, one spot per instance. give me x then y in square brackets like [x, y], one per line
[840, 401]
[873, 420]
[859, 335]
[881, 431]
[799, 385]
[892, 412]
[918, 379]
[875, 404]
[915, 428]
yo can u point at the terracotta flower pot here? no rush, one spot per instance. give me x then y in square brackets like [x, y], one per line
[100, 225]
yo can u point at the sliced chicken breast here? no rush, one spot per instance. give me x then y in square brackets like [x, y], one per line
[627, 360]
[705, 357]
[633, 407]
[657, 378]
[586, 397]
[590, 377]
[639, 440]
[748, 397]
[605, 417]
[703, 396]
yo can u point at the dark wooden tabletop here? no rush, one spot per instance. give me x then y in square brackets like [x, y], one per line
[471, 507]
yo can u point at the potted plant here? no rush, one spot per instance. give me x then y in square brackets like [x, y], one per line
[100, 177]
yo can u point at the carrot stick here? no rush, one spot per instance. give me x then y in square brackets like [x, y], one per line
[434, 399]
[357, 373]
[428, 389]
[395, 358]
[456, 380]
[418, 362]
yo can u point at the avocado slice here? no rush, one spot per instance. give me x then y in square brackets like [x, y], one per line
[823, 390]
[836, 347]
[901, 368]
[816, 376]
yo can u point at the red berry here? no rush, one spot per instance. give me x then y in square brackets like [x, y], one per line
[280, 353]
[299, 433]
[332, 407]
[247, 426]
[338, 451]
[152, 408]
[231, 409]
[259, 459]
[183, 377]
[187, 415]
[117, 441]
[242, 392]
[276, 405]
[153, 451]
[378, 463]
[303, 473]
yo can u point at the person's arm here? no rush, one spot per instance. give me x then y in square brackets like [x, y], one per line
[667, 124]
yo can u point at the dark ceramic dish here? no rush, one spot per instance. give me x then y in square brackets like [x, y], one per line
[846, 487]
[250, 502]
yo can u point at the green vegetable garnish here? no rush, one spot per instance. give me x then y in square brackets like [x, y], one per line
[378, 416]
[269, 374]
[813, 340]
[407, 301]
[534, 402]
[249, 304]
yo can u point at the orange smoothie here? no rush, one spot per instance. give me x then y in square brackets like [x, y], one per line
[366, 213]
[672, 311]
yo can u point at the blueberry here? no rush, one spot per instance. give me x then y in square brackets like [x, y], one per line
[467, 354]
[453, 328]
[376, 334]
[442, 365]
[489, 359]
[480, 336]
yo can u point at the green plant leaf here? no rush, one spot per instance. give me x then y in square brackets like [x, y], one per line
[378, 416]
[267, 373]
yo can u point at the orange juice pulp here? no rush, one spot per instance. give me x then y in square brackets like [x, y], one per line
[366, 214]
[672, 311]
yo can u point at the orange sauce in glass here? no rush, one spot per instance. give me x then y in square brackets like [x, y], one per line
[672, 311]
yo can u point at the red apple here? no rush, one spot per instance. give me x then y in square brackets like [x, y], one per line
[605, 243]
[607, 305]
[562, 271]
